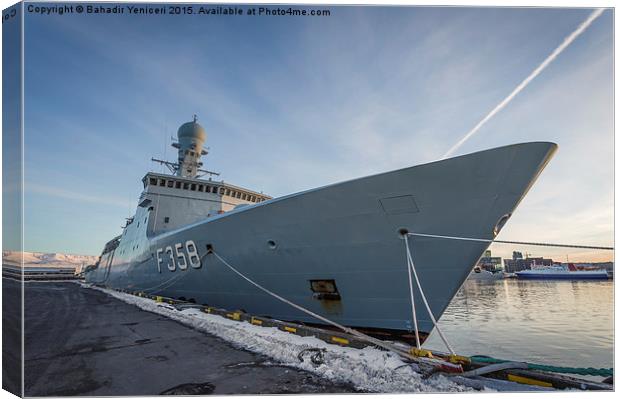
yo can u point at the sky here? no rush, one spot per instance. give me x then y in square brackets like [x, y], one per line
[292, 103]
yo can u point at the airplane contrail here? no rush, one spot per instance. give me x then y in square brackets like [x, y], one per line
[567, 41]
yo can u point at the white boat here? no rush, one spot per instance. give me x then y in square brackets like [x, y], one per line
[479, 273]
[561, 272]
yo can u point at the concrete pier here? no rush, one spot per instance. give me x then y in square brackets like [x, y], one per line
[84, 342]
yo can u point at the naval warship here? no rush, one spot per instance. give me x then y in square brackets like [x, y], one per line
[336, 250]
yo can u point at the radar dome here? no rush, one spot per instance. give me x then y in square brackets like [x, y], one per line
[192, 130]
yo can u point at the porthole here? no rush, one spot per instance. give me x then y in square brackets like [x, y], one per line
[272, 244]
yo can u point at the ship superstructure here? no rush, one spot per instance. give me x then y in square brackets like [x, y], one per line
[337, 250]
[170, 202]
[183, 197]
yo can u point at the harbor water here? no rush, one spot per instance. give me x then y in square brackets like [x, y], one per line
[564, 323]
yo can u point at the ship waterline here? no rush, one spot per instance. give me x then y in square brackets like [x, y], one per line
[336, 250]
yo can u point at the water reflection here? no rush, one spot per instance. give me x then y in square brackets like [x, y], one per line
[558, 322]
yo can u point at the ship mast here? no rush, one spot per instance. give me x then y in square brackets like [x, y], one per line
[191, 137]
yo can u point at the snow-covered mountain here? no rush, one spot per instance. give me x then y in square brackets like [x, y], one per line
[40, 259]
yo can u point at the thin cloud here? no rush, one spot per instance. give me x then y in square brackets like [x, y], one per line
[567, 41]
[71, 195]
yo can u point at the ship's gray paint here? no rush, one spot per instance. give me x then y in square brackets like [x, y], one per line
[348, 232]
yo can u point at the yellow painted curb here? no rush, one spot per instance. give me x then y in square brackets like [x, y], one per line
[528, 381]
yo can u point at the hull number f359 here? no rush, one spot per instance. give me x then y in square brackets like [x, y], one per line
[175, 256]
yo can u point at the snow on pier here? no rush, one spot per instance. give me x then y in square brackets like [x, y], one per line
[367, 369]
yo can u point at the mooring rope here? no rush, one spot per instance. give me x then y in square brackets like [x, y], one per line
[603, 372]
[411, 265]
[543, 367]
[540, 244]
[166, 284]
[351, 331]
[413, 313]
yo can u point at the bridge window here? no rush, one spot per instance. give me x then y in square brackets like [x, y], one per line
[238, 194]
[178, 184]
[153, 181]
[166, 219]
[162, 182]
[185, 186]
[207, 189]
[201, 188]
[193, 187]
[222, 190]
[170, 183]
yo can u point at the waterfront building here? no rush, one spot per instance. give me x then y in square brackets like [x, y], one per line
[489, 262]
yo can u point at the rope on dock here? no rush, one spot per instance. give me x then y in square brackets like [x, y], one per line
[351, 331]
[411, 266]
[429, 362]
[414, 317]
[539, 244]
[556, 369]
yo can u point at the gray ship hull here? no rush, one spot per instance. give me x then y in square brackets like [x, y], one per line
[346, 232]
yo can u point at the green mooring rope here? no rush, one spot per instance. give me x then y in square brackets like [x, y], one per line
[542, 367]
